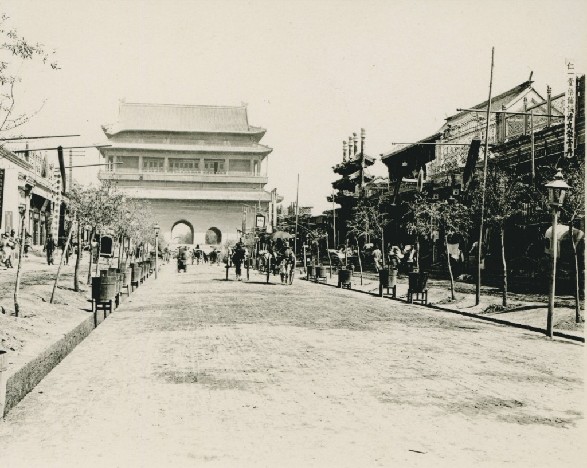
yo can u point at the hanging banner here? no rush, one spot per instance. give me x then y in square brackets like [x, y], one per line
[570, 109]
[1, 195]
[260, 221]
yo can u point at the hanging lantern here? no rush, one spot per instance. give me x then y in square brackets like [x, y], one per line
[557, 190]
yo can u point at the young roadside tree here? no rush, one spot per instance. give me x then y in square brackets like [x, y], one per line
[451, 216]
[503, 196]
[574, 210]
[97, 208]
[14, 51]
[82, 204]
[368, 220]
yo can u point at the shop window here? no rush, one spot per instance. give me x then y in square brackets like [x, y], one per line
[8, 221]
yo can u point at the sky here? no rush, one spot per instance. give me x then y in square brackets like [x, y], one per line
[311, 72]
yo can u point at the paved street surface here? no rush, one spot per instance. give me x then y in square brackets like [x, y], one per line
[197, 371]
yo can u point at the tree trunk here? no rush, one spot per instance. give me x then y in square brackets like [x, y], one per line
[120, 246]
[346, 254]
[98, 248]
[578, 317]
[504, 291]
[89, 281]
[384, 263]
[318, 252]
[360, 263]
[61, 261]
[452, 281]
[78, 258]
[417, 259]
[20, 259]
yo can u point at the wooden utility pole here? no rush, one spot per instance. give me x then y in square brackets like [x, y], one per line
[333, 222]
[532, 148]
[485, 150]
[297, 215]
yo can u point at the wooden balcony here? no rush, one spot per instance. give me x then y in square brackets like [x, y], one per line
[183, 176]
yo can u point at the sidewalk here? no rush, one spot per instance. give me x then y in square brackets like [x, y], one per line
[44, 333]
[527, 310]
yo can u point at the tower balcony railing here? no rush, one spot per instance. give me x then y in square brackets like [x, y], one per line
[182, 175]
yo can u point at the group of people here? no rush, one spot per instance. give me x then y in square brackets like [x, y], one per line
[8, 246]
[398, 257]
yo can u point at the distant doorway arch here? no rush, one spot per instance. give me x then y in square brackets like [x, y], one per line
[213, 236]
[182, 232]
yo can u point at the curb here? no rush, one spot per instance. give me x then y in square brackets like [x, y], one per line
[25, 379]
[542, 331]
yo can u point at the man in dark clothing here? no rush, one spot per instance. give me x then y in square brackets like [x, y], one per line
[49, 248]
[238, 258]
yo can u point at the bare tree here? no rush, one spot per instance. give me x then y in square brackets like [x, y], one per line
[503, 195]
[14, 50]
[451, 216]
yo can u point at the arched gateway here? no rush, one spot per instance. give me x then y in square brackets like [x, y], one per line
[195, 166]
[182, 232]
[213, 236]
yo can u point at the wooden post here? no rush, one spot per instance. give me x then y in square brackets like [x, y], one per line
[333, 222]
[61, 259]
[485, 151]
[532, 148]
[78, 258]
[98, 251]
[548, 105]
[552, 293]
[20, 258]
[297, 215]
[525, 116]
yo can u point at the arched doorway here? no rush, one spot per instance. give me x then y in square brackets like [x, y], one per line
[213, 236]
[182, 232]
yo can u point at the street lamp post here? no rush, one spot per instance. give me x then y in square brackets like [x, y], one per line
[556, 195]
[156, 248]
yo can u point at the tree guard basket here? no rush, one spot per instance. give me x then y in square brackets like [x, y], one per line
[388, 280]
[417, 287]
[320, 274]
[344, 278]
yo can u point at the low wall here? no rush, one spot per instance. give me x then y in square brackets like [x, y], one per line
[28, 376]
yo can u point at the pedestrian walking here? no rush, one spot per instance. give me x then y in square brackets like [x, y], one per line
[238, 258]
[27, 244]
[66, 252]
[377, 257]
[49, 249]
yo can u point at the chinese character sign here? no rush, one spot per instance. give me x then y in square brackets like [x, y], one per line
[570, 108]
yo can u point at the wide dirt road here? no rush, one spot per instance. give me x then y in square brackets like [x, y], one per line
[196, 371]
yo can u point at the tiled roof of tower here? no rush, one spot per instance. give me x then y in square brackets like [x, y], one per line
[182, 118]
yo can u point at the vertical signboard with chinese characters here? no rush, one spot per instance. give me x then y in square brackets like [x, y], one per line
[570, 108]
[1, 195]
